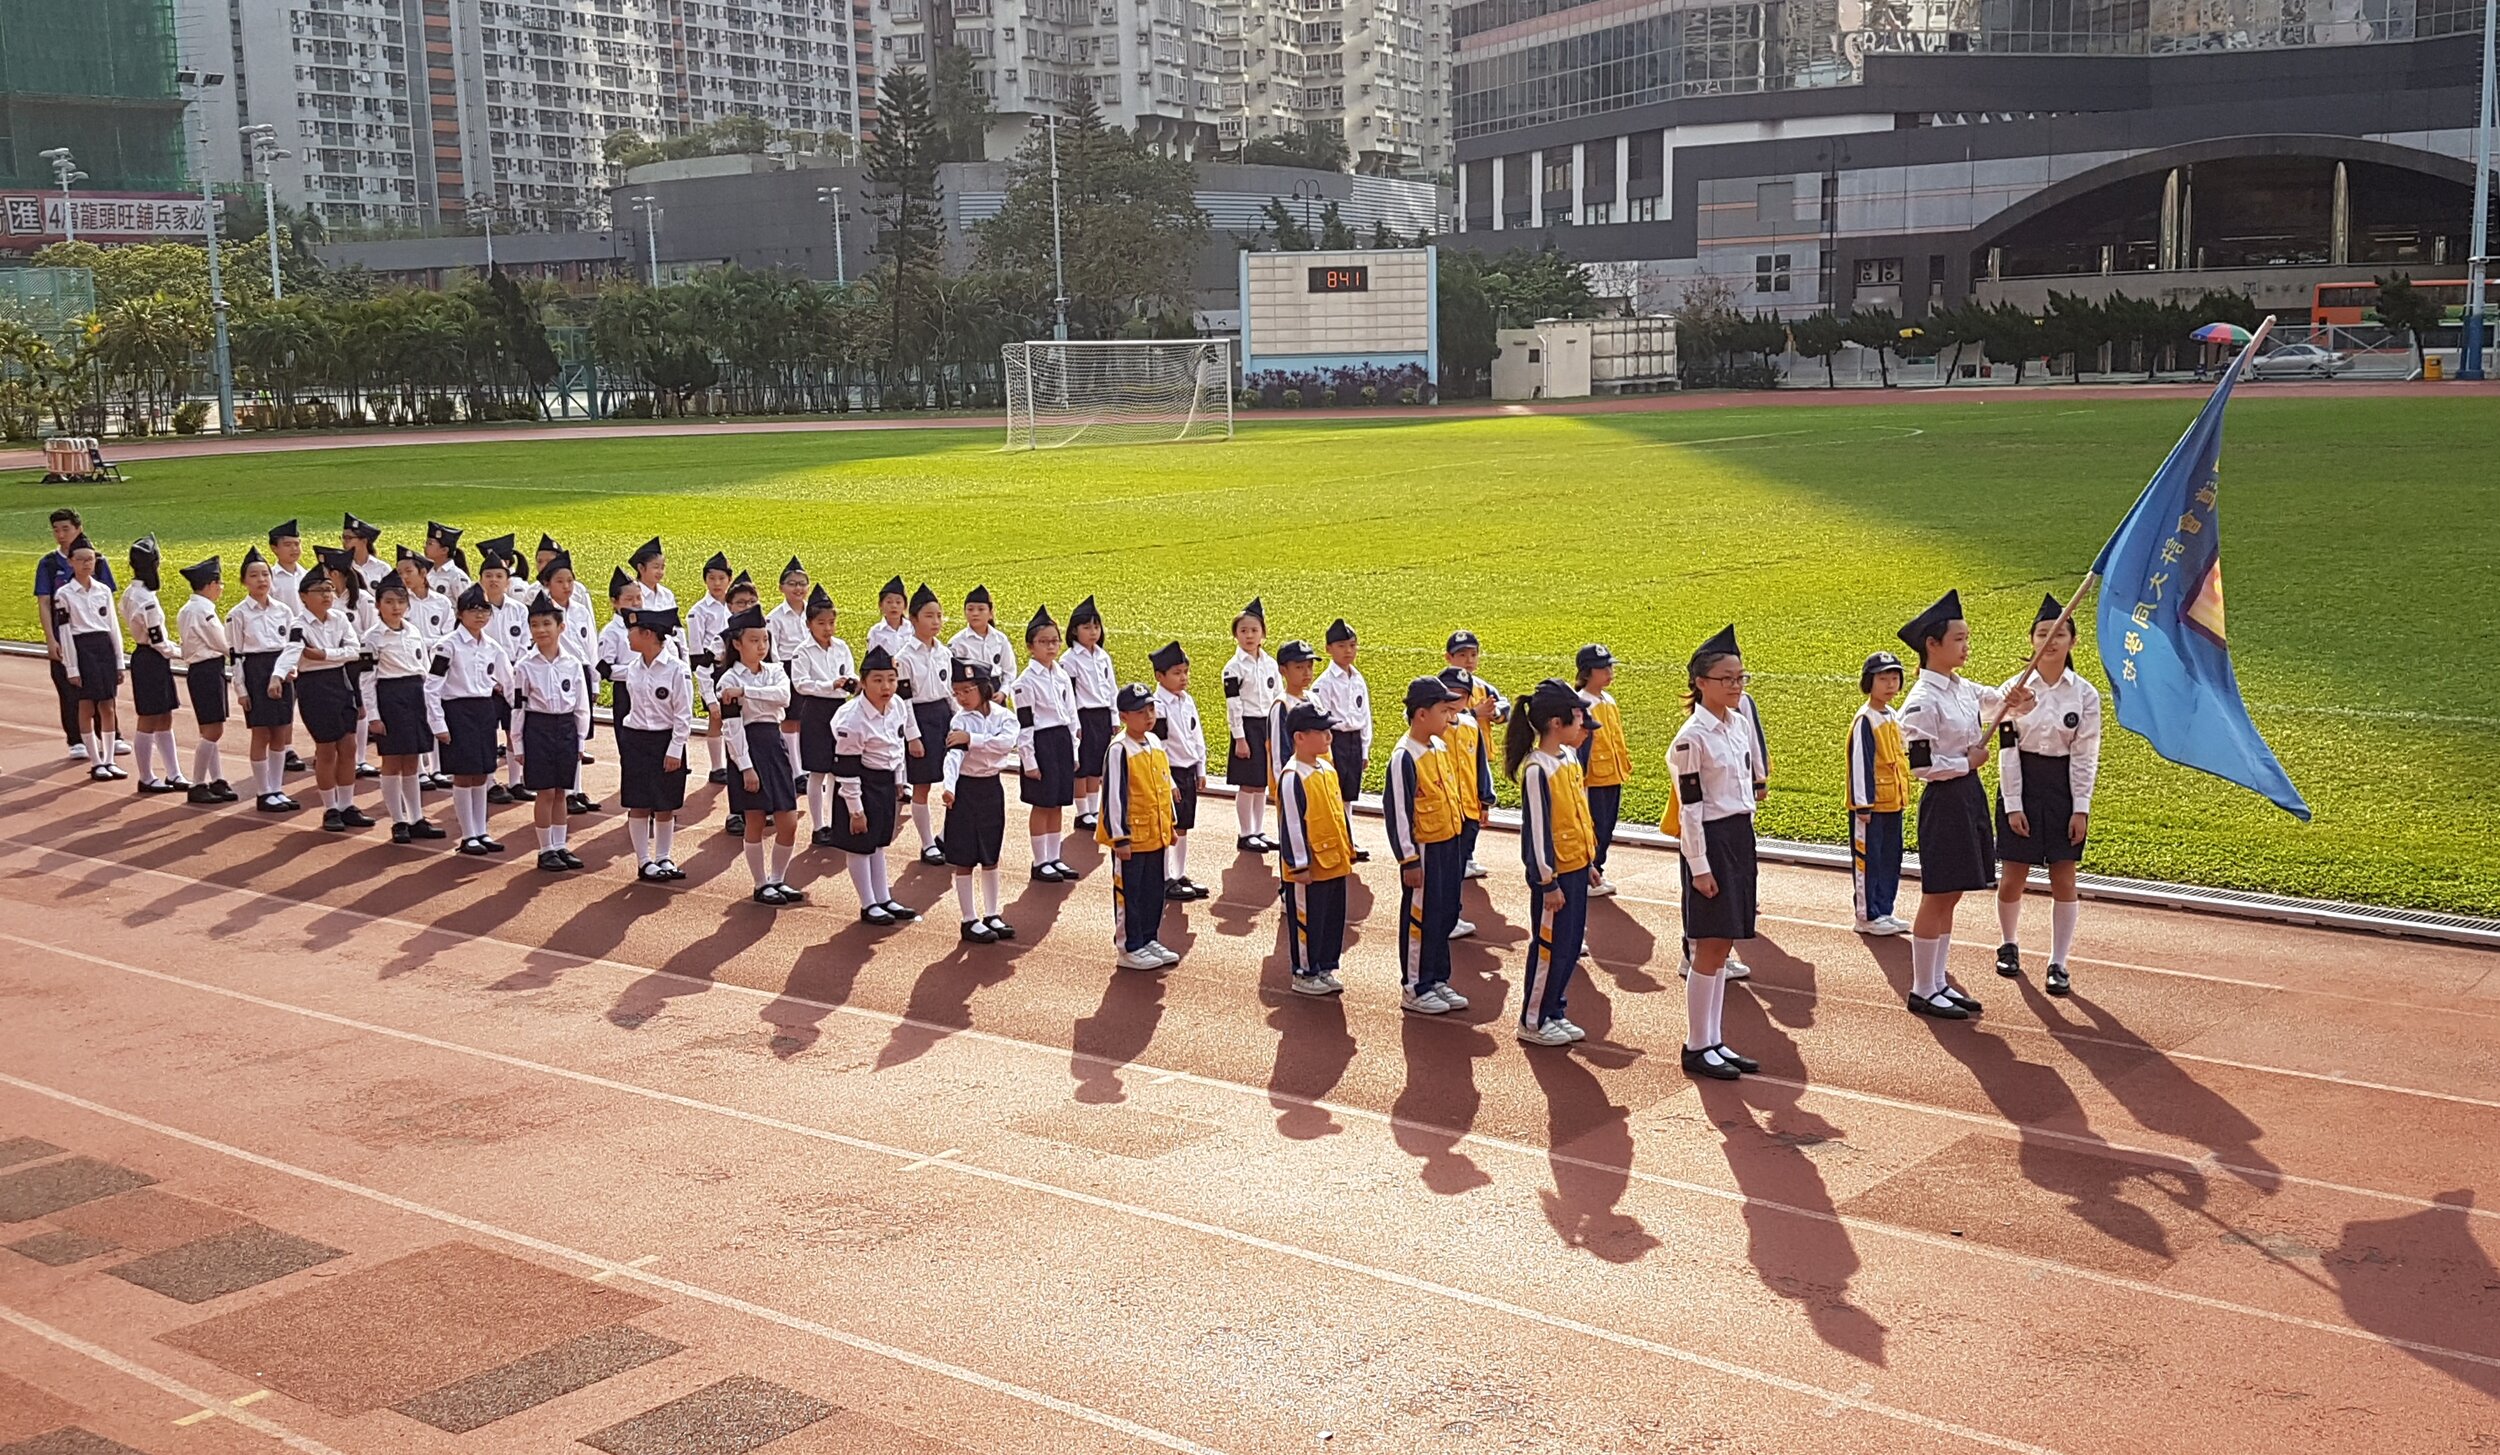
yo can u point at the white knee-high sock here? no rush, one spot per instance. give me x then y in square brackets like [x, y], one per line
[2010, 920]
[390, 799]
[144, 749]
[1176, 859]
[963, 898]
[877, 877]
[664, 834]
[2063, 914]
[1055, 840]
[1925, 976]
[781, 860]
[203, 761]
[546, 839]
[755, 863]
[920, 820]
[469, 802]
[364, 737]
[563, 832]
[1944, 960]
[167, 753]
[272, 772]
[1041, 849]
[863, 883]
[819, 794]
[1248, 809]
[989, 893]
[1698, 992]
[1718, 1007]
[412, 795]
[638, 834]
[714, 750]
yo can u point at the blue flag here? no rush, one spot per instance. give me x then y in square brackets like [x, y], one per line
[2161, 624]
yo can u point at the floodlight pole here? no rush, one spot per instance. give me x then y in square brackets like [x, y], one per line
[1058, 264]
[222, 359]
[649, 207]
[65, 167]
[2470, 358]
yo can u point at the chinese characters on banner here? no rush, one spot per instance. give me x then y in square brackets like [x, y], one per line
[105, 216]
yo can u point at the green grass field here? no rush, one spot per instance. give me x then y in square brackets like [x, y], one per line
[2359, 535]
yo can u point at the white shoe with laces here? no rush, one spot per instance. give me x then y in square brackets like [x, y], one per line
[1424, 1002]
[1448, 997]
[1462, 929]
[1551, 1033]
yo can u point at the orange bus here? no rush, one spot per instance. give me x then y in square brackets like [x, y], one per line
[2349, 305]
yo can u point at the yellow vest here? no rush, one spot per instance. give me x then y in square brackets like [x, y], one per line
[1437, 797]
[1466, 741]
[1575, 836]
[1149, 801]
[1610, 761]
[1324, 827]
[1892, 768]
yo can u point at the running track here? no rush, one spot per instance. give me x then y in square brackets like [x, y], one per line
[450, 1155]
[126, 451]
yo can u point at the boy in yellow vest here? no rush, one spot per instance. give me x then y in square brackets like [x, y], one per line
[1879, 791]
[1471, 770]
[1420, 803]
[1136, 826]
[1318, 852]
[1604, 760]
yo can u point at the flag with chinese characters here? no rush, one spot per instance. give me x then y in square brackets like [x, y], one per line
[2162, 637]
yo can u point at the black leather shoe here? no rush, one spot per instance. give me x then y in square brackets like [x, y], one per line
[2058, 984]
[1921, 1005]
[355, 818]
[203, 793]
[493, 845]
[225, 792]
[497, 793]
[1968, 1005]
[735, 825]
[295, 764]
[903, 913]
[367, 770]
[331, 822]
[571, 859]
[1702, 1063]
[1000, 927]
[822, 838]
[1087, 821]
[1068, 873]
[580, 803]
[1176, 891]
[423, 830]
[401, 835]
[2009, 960]
[474, 848]
[1746, 1064]
[524, 795]
[1046, 873]
[977, 933]
[875, 914]
[652, 873]
[934, 854]
[551, 861]
[718, 778]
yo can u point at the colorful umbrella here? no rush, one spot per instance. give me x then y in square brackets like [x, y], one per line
[2222, 333]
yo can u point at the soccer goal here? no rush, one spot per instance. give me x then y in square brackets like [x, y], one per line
[1118, 392]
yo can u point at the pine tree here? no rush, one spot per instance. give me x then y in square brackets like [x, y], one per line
[903, 190]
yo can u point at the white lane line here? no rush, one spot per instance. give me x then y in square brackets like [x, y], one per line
[1330, 1261]
[209, 1404]
[946, 1160]
[558, 1250]
[2001, 1125]
[645, 1261]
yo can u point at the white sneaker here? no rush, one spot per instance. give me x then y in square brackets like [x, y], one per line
[1315, 985]
[1424, 1003]
[1551, 1033]
[1736, 969]
[1145, 959]
[121, 747]
[1335, 985]
[1476, 870]
[1462, 929]
[1448, 997]
[1602, 889]
[78, 752]
[1870, 927]
[1575, 1032]
[1895, 925]
[1164, 952]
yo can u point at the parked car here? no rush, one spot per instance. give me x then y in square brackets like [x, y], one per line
[2300, 361]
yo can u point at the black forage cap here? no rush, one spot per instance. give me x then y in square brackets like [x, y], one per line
[278, 533]
[1338, 631]
[923, 597]
[739, 621]
[350, 524]
[560, 561]
[1722, 643]
[332, 558]
[1294, 651]
[144, 549]
[967, 669]
[793, 567]
[1929, 625]
[1041, 618]
[501, 546]
[1257, 609]
[617, 582]
[977, 596]
[252, 557]
[545, 605]
[442, 535]
[877, 660]
[1135, 697]
[741, 579]
[201, 573]
[719, 562]
[817, 600]
[1167, 656]
[645, 552]
[406, 554]
[1085, 611]
[547, 543]
[2050, 610]
[474, 599]
[893, 587]
[661, 622]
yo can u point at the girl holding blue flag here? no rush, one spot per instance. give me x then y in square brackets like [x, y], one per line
[2044, 791]
[1944, 726]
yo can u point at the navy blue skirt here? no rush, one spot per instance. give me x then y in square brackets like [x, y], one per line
[1095, 727]
[261, 710]
[328, 701]
[1956, 845]
[976, 823]
[644, 782]
[877, 804]
[151, 682]
[206, 680]
[776, 789]
[400, 703]
[551, 750]
[1049, 781]
[934, 718]
[472, 722]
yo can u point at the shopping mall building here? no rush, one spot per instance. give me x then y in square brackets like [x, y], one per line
[1902, 153]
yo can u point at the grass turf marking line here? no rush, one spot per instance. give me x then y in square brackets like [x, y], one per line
[2019, 1131]
[1410, 1282]
[209, 1404]
[948, 1160]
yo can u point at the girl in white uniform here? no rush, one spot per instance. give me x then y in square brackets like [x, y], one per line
[655, 717]
[152, 652]
[203, 634]
[394, 709]
[823, 676]
[650, 565]
[579, 638]
[762, 790]
[434, 614]
[326, 698]
[89, 629]
[465, 692]
[893, 625]
[1712, 759]
[447, 565]
[985, 738]
[704, 621]
[785, 629]
[923, 671]
[1252, 687]
[1045, 701]
[870, 736]
[2051, 758]
[551, 701]
[508, 627]
[266, 636]
[1097, 685]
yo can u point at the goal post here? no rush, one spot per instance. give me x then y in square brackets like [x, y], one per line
[1118, 391]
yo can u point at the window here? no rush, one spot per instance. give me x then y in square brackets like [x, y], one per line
[1600, 212]
[1641, 209]
[1770, 273]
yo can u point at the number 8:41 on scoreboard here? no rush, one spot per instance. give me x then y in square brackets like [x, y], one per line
[1355, 278]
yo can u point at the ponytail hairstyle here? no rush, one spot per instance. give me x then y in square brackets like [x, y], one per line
[1553, 701]
[1699, 667]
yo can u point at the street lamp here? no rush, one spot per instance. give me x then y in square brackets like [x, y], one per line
[65, 168]
[831, 197]
[483, 204]
[649, 207]
[197, 83]
[1058, 261]
[1306, 192]
[2470, 360]
[262, 138]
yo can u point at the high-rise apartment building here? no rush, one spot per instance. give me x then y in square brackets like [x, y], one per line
[409, 112]
[1204, 78]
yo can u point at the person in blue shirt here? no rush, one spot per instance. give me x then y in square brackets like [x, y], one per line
[67, 531]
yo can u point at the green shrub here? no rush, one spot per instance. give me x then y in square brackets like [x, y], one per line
[190, 415]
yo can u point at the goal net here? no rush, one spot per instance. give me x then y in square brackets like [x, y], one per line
[1118, 392]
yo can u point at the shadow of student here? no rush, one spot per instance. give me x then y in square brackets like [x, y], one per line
[1117, 1033]
[1314, 1047]
[940, 1004]
[1438, 1105]
[2425, 1278]
[2158, 1092]
[1794, 1237]
[692, 970]
[1621, 946]
[1244, 897]
[820, 979]
[1589, 1142]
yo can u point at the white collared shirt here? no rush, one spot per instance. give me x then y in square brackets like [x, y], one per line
[80, 609]
[703, 623]
[1045, 698]
[990, 647]
[1251, 686]
[659, 695]
[992, 744]
[1176, 723]
[825, 671]
[580, 637]
[509, 625]
[1097, 683]
[924, 669]
[785, 630]
[255, 627]
[893, 636]
[1712, 763]
[286, 584]
[447, 581]
[657, 597]
[553, 687]
[144, 615]
[334, 636]
[2064, 722]
[202, 630]
[763, 696]
[1944, 718]
[464, 667]
[873, 738]
[1342, 693]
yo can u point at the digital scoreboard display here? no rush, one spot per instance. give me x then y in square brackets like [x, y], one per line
[1357, 279]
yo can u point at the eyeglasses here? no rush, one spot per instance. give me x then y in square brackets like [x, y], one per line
[1741, 679]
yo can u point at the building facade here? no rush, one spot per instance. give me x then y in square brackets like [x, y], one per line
[1201, 78]
[1802, 154]
[414, 113]
[97, 78]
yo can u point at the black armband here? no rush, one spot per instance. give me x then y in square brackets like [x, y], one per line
[441, 667]
[1922, 753]
[902, 689]
[1232, 687]
[1024, 718]
[156, 636]
[1688, 787]
[2007, 737]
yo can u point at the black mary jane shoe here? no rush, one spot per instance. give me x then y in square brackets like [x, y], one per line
[203, 793]
[493, 845]
[822, 838]
[571, 859]
[498, 793]
[1086, 822]
[1000, 927]
[524, 795]
[735, 826]
[903, 913]
[934, 854]
[295, 764]
[401, 835]
[1969, 1005]
[2009, 960]
[2058, 983]
[420, 829]
[225, 792]
[651, 873]
[474, 848]
[355, 818]
[100, 773]
[1176, 891]
[1698, 1063]
[1248, 844]
[768, 894]
[151, 787]
[877, 915]
[977, 933]
[1068, 873]
[580, 803]
[1198, 890]
[1746, 1064]
[367, 770]
[1045, 873]
[718, 778]
[551, 861]
[669, 870]
[1922, 1005]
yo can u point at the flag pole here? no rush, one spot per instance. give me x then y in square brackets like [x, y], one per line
[2092, 578]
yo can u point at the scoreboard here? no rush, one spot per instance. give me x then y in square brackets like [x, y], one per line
[1315, 311]
[1354, 279]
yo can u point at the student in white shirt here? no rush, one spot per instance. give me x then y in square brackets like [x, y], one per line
[1184, 741]
[508, 627]
[152, 695]
[579, 637]
[1251, 688]
[1712, 760]
[785, 631]
[869, 739]
[1097, 684]
[394, 708]
[465, 691]
[893, 625]
[763, 793]
[923, 671]
[1046, 715]
[326, 697]
[2050, 760]
[822, 674]
[447, 565]
[552, 698]
[650, 565]
[203, 635]
[654, 717]
[89, 628]
[267, 637]
[985, 740]
[983, 642]
[286, 565]
[704, 621]
[1342, 693]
